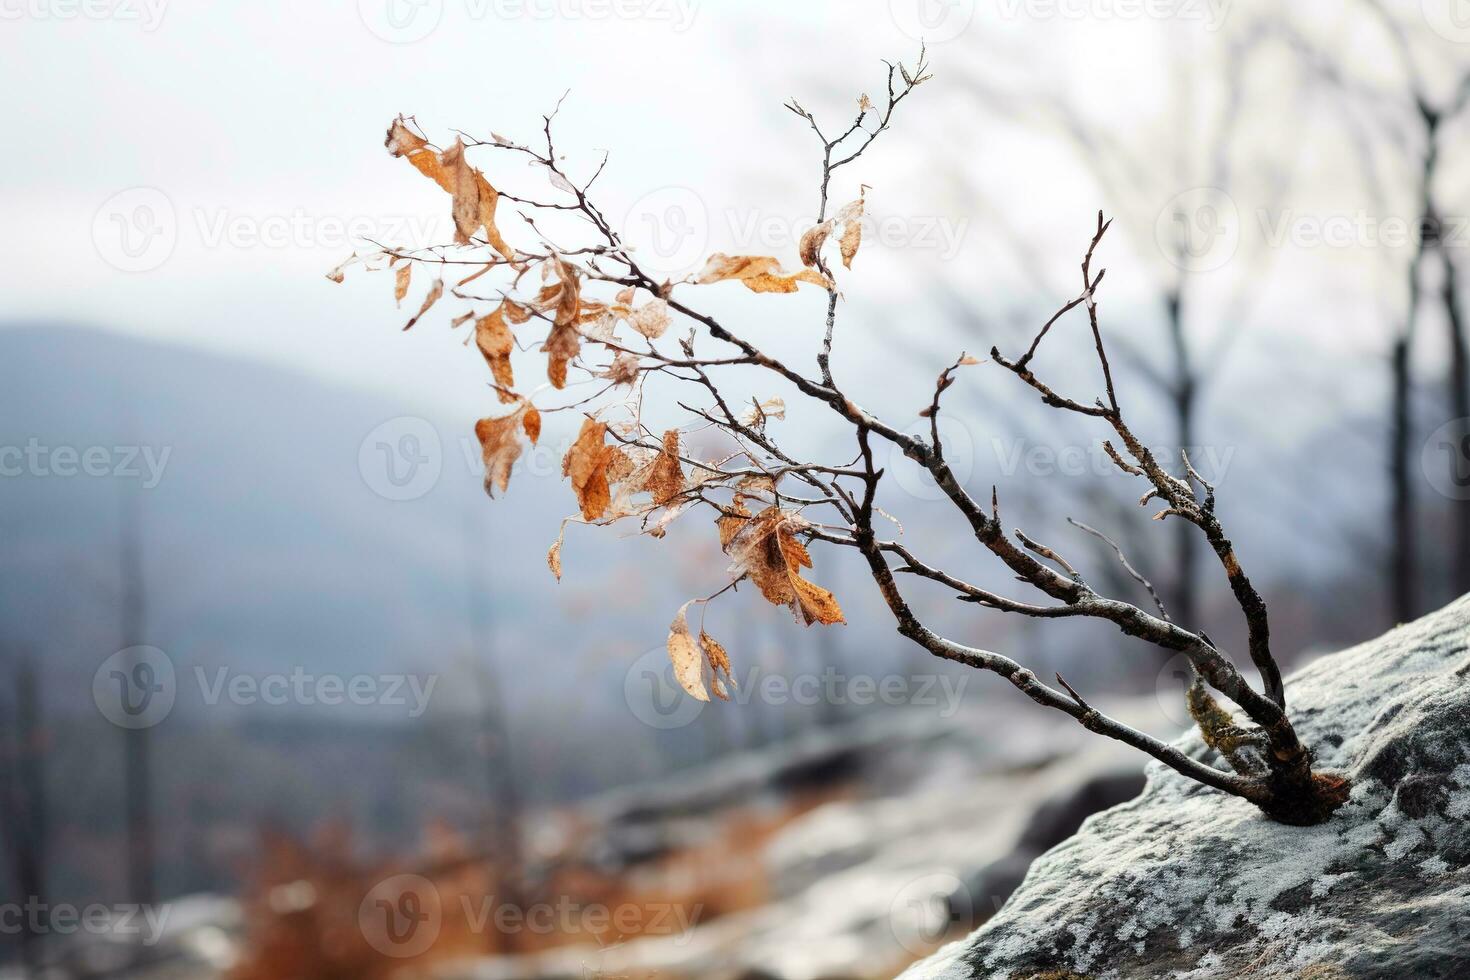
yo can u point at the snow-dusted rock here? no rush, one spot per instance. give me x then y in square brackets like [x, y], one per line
[1189, 884]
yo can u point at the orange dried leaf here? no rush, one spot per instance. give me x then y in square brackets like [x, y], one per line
[489, 200]
[851, 220]
[586, 464]
[465, 190]
[816, 604]
[435, 291]
[496, 342]
[759, 273]
[500, 447]
[403, 142]
[400, 282]
[553, 554]
[531, 423]
[666, 478]
[719, 663]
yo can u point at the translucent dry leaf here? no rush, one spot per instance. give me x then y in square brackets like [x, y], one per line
[759, 412]
[851, 220]
[651, 319]
[623, 370]
[688, 664]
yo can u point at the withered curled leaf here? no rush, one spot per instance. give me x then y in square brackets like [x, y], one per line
[400, 282]
[435, 291]
[586, 465]
[496, 342]
[759, 273]
[719, 663]
[766, 549]
[812, 240]
[500, 447]
[688, 664]
[666, 477]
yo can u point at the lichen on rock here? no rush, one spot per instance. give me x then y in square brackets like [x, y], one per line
[1189, 884]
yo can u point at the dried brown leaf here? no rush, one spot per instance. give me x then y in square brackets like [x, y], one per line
[400, 282]
[719, 664]
[586, 464]
[500, 446]
[435, 291]
[688, 664]
[759, 273]
[496, 342]
[812, 241]
[666, 478]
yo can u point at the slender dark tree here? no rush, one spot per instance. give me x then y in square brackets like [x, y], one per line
[137, 749]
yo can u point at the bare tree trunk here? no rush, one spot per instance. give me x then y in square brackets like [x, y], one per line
[1185, 394]
[1459, 383]
[503, 827]
[137, 761]
[23, 810]
[1403, 584]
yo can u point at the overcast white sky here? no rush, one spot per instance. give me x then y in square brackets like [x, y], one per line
[266, 119]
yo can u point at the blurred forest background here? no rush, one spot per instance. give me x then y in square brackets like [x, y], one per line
[209, 450]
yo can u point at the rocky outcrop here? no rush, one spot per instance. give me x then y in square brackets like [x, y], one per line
[1189, 884]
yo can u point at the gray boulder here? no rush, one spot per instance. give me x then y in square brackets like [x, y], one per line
[1189, 884]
